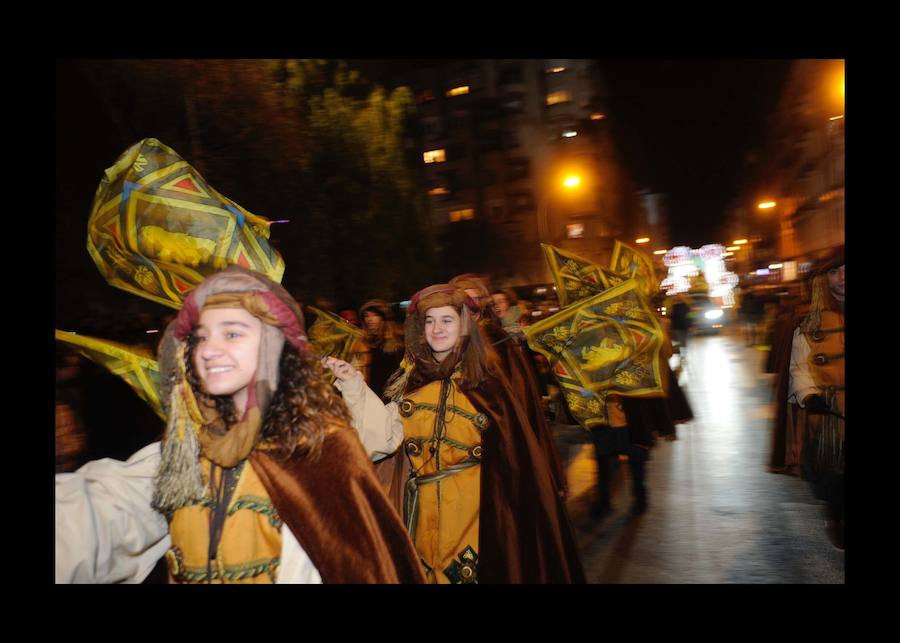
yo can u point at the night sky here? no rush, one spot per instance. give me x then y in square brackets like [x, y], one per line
[685, 128]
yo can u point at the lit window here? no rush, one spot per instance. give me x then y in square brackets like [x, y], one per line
[435, 156]
[458, 91]
[561, 96]
[461, 215]
[438, 191]
[575, 230]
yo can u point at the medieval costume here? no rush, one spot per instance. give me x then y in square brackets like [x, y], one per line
[223, 500]
[817, 387]
[481, 502]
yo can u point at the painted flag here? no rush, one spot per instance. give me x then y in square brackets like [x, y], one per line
[576, 278]
[157, 228]
[606, 344]
[633, 263]
[134, 364]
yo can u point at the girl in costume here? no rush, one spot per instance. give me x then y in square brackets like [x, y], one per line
[481, 502]
[260, 477]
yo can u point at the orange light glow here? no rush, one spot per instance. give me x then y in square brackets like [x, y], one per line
[572, 181]
[732, 248]
[765, 205]
[642, 240]
[660, 252]
[740, 242]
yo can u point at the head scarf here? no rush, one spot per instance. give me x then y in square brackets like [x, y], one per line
[194, 426]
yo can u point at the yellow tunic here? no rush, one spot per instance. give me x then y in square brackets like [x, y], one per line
[442, 439]
[826, 359]
[250, 548]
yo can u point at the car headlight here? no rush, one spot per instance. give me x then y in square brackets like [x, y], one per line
[713, 314]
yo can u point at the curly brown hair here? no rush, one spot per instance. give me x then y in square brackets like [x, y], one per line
[303, 409]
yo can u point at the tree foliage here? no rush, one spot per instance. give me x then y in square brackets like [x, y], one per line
[307, 141]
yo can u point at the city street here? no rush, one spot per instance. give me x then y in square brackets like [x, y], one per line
[716, 515]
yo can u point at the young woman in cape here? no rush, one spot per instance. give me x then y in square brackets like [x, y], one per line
[480, 498]
[260, 477]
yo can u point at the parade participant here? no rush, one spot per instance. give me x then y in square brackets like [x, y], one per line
[817, 387]
[260, 477]
[507, 309]
[480, 504]
[377, 355]
[518, 366]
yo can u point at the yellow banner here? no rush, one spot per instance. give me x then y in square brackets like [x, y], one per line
[633, 263]
[331, 335]
[576, 278]
[608, 343]
[134, 364]
[157, 228]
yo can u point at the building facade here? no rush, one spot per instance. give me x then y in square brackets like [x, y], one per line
[792, 210]
[498, 140]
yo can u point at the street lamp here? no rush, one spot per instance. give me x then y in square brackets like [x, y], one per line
[766, 205]
[570, 182]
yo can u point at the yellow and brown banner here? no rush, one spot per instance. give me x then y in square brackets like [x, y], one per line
[157, 228]
[576, 278]
[605, 344]
[633, 263]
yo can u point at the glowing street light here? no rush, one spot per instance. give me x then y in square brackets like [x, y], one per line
[660, 252]
[642, 240]
[740, 242]
[572, 181]
[775, 266]
[733, 248]
[765, 205]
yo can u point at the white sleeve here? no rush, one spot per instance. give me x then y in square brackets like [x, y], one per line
[106, 530]
[378, 424]
[296, 566]
[801, 381]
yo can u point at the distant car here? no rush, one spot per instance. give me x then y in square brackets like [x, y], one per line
[707, 316]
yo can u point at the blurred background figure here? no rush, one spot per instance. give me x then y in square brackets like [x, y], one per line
[506, 308]
[378, 353]
[817, 387]
[349, 315]
[680, 321]
[751, 314]
[525, 309]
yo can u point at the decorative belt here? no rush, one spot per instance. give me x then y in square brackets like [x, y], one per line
[411, 503]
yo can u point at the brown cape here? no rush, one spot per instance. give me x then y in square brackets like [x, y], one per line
[524, 535]
[522, 378]
[784, 456]
[338, 512]
[524, 532]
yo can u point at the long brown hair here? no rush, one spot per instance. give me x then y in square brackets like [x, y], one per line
[473, 354]
[303, 408]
